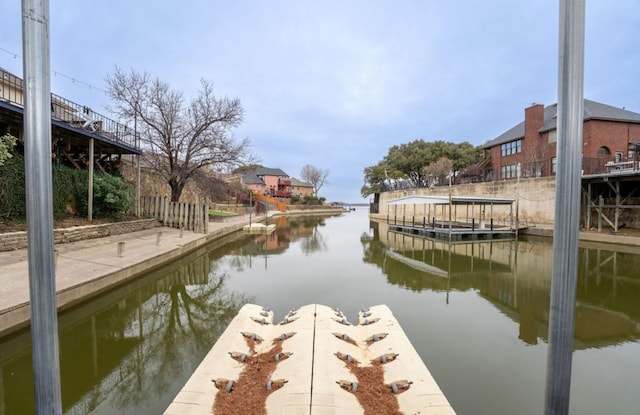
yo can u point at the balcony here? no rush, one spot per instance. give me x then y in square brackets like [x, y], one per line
[69, 113]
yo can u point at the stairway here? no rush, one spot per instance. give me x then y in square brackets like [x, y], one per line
[281, 206]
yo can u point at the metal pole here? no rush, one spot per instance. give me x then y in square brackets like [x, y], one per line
[567, 209]
[138, 173]
[518, 202]
[39, 198]
[90, 195]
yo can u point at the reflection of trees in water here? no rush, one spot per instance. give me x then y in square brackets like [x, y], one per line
[148, 342]
[304, 230]
[178, 324]
[607, 294]
[314, 243]
[131, 349]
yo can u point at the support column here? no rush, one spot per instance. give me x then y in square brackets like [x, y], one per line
[564, 271]
[90, 195]
[39, 204]
[617, 210]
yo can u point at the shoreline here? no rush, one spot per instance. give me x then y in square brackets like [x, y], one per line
[90, 267]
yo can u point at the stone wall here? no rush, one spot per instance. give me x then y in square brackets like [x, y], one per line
[536, 197]
[18, 240]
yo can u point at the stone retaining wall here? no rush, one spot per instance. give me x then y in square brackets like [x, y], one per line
[536, 197]
[18, 240]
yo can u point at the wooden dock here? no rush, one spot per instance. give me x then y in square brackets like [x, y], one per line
[454, 218]
[318, 363]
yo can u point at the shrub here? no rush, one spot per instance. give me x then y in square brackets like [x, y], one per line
[7, 142]
[111, 196]
[12, 189]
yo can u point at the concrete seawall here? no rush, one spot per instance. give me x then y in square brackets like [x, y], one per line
[536, 197]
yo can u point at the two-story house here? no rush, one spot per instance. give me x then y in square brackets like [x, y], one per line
[271, 182]
[610, 138]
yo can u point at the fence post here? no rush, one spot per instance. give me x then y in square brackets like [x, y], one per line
[190, 212]
[206, 218]
[165, 211]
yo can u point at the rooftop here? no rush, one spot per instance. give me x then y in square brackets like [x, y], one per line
[592, 111]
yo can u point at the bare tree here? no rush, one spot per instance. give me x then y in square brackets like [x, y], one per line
[437, 172]
[179, 138]
[534, 158]
[315, 176]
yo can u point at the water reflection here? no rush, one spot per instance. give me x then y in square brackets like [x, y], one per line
[124, 350]
[476, 314]
[256, 249]
[515, 276]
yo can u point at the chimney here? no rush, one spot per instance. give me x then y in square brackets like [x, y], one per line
[533, 122]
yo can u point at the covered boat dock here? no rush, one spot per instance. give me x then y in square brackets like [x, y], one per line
[453, 217]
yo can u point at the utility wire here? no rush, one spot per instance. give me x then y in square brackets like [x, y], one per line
[57, 73]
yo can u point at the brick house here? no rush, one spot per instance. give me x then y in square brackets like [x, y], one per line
[268, 181]
[611, 139]
[300, 188]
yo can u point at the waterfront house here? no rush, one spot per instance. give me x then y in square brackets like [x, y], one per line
[610, 141]
[300, 188]
[268, 181]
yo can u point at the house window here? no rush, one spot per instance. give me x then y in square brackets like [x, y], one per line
[512, 147]
[553, 136]
[554, 164]
[604, 151]
[510, 171]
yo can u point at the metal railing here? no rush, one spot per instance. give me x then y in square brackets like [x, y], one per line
[76, 115]
[609, 164]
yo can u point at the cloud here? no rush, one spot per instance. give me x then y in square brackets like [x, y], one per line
[336, 84]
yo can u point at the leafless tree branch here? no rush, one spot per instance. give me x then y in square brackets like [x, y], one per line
[179, 139]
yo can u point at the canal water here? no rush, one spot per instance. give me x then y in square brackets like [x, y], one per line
[477, 313]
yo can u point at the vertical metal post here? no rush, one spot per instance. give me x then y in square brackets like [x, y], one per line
[37, 128]
[138, 167]
[90, 195]
[588, 206]
[518, 202]
[567, 208]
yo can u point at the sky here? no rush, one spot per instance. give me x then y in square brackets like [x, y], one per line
[337, 83]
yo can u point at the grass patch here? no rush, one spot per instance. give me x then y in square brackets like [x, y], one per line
[214, 212]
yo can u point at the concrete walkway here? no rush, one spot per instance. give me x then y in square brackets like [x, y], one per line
[88, 267]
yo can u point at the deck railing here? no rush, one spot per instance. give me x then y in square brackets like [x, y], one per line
[76, 115]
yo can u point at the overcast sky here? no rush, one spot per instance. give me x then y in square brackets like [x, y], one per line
[336, 83]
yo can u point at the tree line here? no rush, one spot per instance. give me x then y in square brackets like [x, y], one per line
[420, 163]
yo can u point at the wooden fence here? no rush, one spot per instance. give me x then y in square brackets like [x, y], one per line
[188, 216]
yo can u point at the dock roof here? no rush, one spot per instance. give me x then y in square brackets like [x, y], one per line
[444, 200]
